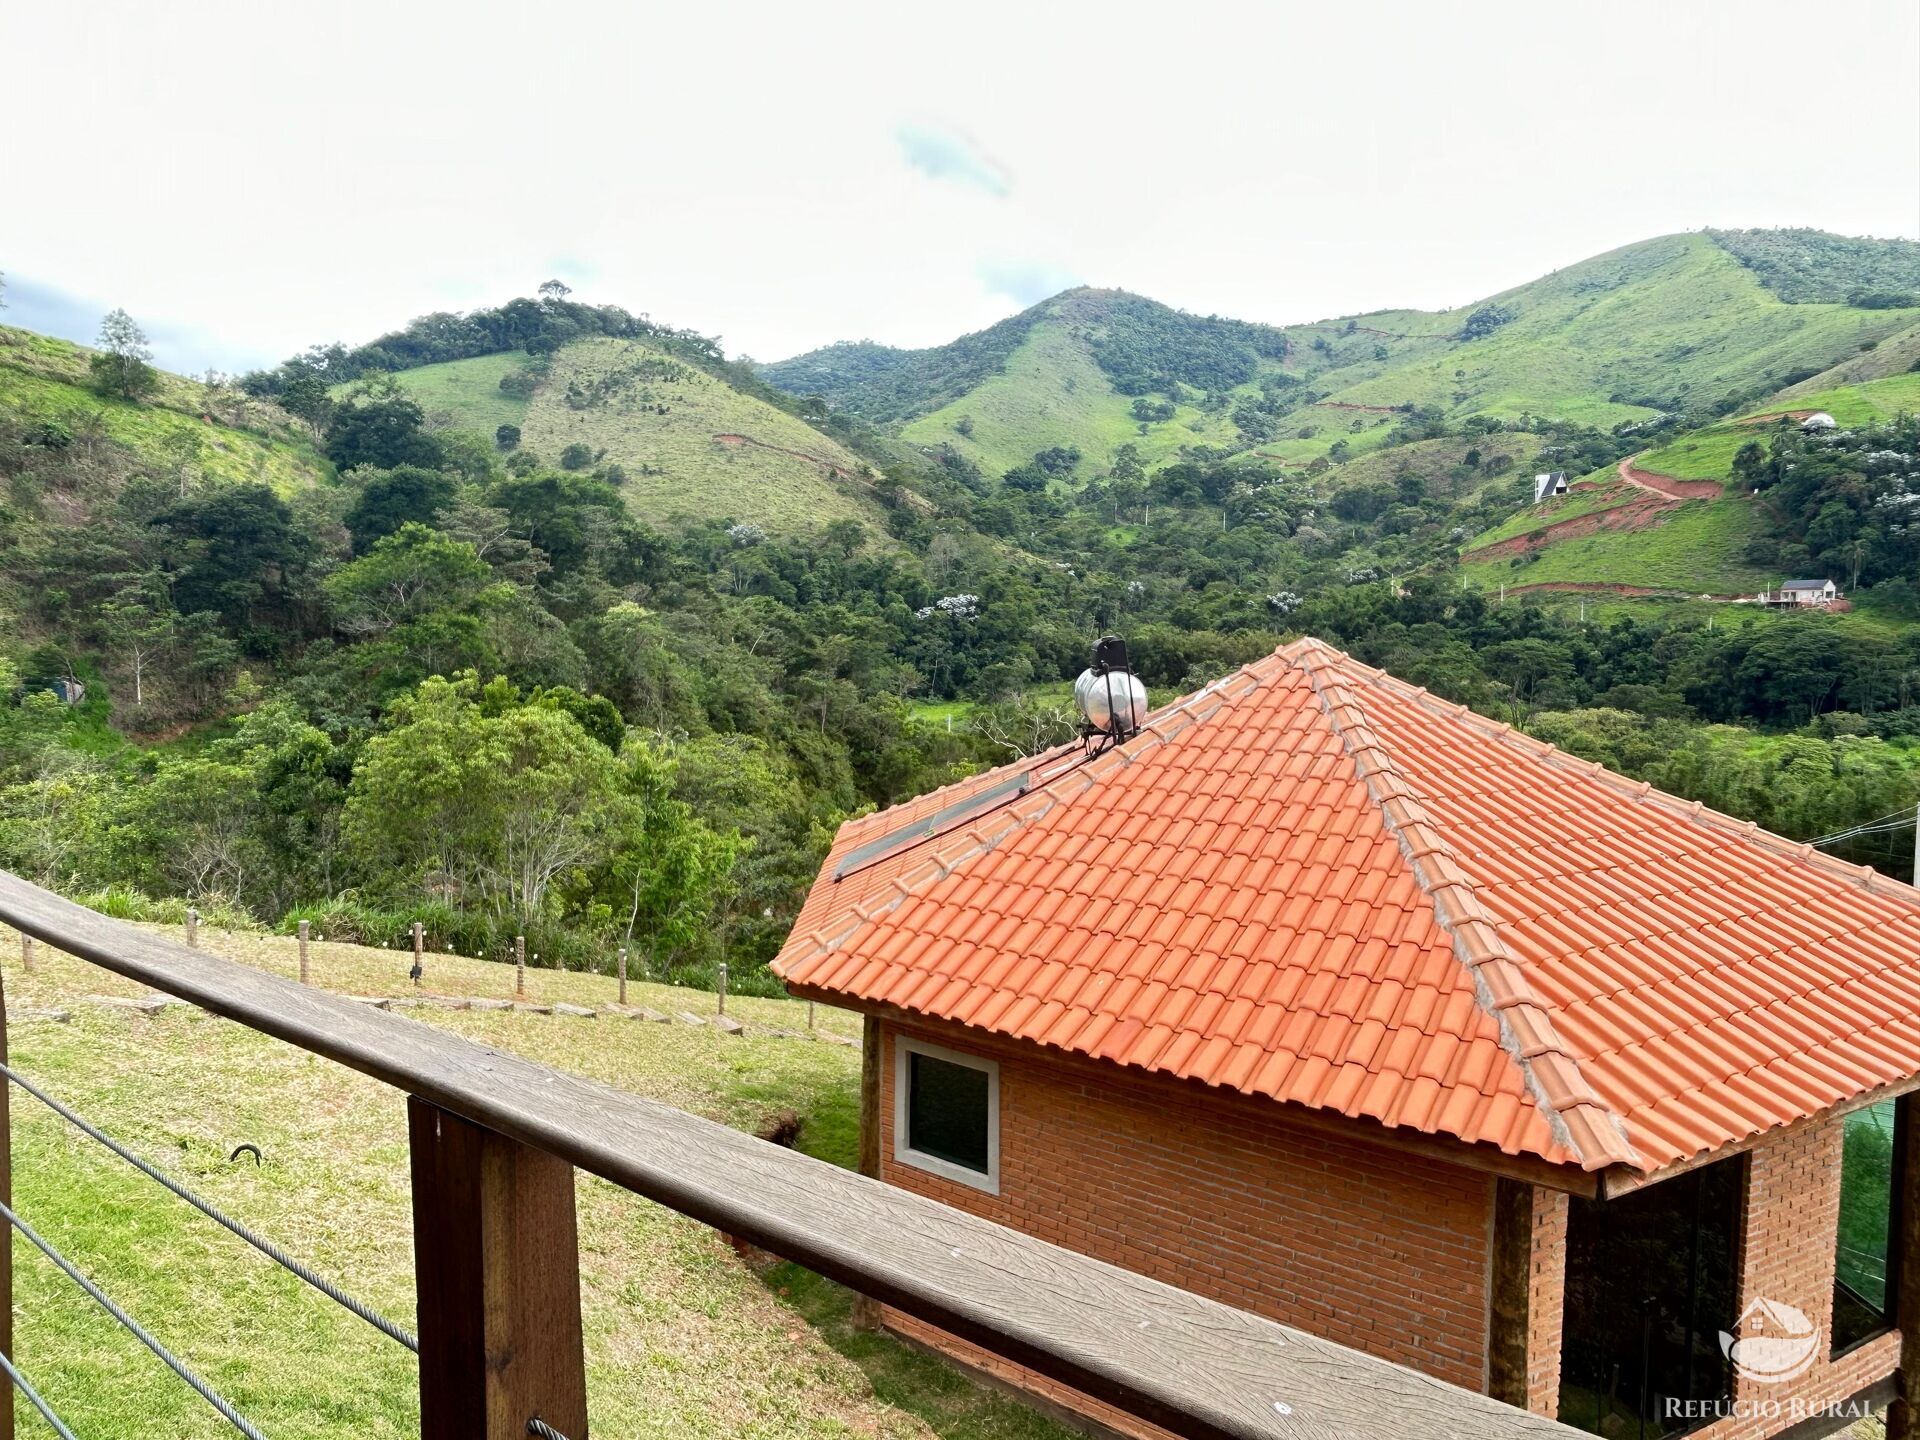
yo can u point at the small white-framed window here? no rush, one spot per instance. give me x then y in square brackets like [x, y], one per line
[946, 1113]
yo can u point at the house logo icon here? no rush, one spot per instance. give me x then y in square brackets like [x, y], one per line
[1774, 1343]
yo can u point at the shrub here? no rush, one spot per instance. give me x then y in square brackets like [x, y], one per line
[507, 437]
[576, 456]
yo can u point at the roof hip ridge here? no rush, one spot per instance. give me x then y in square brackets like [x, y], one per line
[1644, 791]
[1580, 1119]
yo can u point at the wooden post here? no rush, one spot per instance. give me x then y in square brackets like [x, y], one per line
[497, 1272]
[1903, 1414]
[520, 965]
[419, 943]
[866, 1312]
[306, 928]
[623, 974]
[723, 987]
[6, 1242]
[193, 927]
[809, 1014]
[1510, 1294]
[26, 953]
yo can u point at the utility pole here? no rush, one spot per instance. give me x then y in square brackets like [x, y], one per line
[1916, 844]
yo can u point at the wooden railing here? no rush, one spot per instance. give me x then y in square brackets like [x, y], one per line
[495, 1139]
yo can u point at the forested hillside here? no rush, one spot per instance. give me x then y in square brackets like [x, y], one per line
[549, 619]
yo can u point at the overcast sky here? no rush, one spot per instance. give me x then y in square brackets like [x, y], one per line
[248, 179]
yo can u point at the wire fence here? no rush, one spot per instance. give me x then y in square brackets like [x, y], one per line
[265, 1246]
[140, 1332]
[259, 1242]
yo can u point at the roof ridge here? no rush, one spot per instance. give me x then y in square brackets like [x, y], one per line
[995, 828]
[1644, 791]
[1579, 1118]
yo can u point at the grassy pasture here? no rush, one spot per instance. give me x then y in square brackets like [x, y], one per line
[683, 1340]
[1698, 550]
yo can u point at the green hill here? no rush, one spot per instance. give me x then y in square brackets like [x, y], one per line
[1682, 323]
[690, 445]
[184, 429]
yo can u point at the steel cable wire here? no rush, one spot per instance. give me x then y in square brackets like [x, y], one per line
[538, 1427]
[33, 1398]
[213, 1397]
[259, 1242]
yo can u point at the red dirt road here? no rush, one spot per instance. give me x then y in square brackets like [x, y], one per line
[1666, 484]
[1637, 514]
[837, 471]
[1349, 405]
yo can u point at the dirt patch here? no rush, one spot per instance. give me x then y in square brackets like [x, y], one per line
[1774, 415]
[1667, 485]
[1636, 514]
[1601, 587]
[1349, 405]
[839, 472]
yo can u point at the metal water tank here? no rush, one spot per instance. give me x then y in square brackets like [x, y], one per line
[1113, 702]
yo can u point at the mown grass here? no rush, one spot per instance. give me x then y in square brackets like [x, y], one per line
[1862, 404]
[682, 1338]
[466, 394]
[675, 466]
[1698, 550]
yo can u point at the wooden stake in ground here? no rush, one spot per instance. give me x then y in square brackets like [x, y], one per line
[193, 927]
[419, 952]
[520, 965]
[623, 974]
[723, 987]
[809, 1014]
[26, 953]
[306, 926]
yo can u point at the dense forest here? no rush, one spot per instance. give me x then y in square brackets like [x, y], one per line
[462, 682]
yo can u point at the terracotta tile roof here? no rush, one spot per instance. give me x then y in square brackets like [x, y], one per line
[1315, 883]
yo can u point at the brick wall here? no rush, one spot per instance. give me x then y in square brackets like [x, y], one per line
[1786, 1254]
[1367, 1245]
[1546, 1300]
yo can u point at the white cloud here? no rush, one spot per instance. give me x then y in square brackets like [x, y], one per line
[273, 176]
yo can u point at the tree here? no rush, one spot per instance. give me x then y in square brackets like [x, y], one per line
[507, 437]
[576, 456]
[499, 796]
[381, 427]
[390, 499]
[667, 871]
[122, 367]
[140, 623]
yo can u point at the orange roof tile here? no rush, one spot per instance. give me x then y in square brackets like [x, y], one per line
[1312, 882]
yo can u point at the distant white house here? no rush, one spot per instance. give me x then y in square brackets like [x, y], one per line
[1819, 420]
[1554, 482]
[1802, 592]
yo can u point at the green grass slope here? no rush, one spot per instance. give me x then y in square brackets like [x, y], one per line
[219, 437]
[692, 446]
[684, 1341]
[1053, 393]
[1677, 323]
[1666, 324]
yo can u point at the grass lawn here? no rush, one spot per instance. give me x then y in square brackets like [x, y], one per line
[466, 394]
[683, 1340]
[1865, 403]
[1573, 504]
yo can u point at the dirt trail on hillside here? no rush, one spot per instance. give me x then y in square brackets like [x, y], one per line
[1636, 514]
[1666, 484]
[839, 472]
[1774, 415]
[1349, 405]
[1602, 587]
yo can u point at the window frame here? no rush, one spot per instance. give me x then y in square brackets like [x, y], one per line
[904, 1048]
[1896, 1229]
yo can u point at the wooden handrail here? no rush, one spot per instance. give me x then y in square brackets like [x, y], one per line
[1192, 1365]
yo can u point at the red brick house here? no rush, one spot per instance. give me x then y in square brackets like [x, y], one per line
[1342, 1004]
